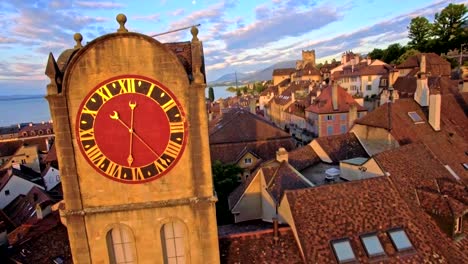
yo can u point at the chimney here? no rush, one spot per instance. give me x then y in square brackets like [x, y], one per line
[43, 209]
[392, 77]
[282, 155]
[210, 116]
[422, 64]
[369, 60]
[334, 94]
[3, 234]
[434, 111]
[275, 230]
[352, 115]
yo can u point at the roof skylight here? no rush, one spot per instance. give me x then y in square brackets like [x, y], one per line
[415, 117]
[343, 250]
[400, 240]
[372, 245]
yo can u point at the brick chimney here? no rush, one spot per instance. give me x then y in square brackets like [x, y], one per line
[421, 96]
[335, 96]
[434, 111]
[282, 155]
[352, 115]
[392, 77]
[43, 209]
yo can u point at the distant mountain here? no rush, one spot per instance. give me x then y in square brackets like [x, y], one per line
[20, 97]
[261, 75]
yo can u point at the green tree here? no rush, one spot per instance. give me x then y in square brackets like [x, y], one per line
[225, 180]
[420, 32]
[449, 27]
[406, 55]
[244, 89]
[238, 92]
[211, 94]
[376, 54]
[392, 53]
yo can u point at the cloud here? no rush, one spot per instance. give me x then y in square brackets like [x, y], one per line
[278, 24]
[178, 12]
[94, 5]
[154, 17]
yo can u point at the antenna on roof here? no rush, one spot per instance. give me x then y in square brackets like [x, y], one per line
[174, 30]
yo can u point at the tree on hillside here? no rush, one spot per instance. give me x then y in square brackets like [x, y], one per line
[225, 180]
[376, 54]
[211, 94]
[393, 52]
[420, 31]
[406, 55]
[449, 27]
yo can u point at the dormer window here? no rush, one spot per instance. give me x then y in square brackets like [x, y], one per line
[400, 239]
[248, 160]
[343, 250]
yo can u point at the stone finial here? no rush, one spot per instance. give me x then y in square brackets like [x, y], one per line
[78, 38]
[194, 31]
[121, 19]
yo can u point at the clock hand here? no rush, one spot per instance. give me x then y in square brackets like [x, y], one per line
[115, 116]
[130, 157]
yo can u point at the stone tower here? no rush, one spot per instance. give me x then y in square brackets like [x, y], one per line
[160, 207]
[308, 56]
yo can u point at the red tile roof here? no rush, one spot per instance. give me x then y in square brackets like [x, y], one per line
[347, 210]
[51, 155]
[449, 144]
[37, 129]
[303, 157]
[406, 85]
[435, 65]
[416, 173]
[23, 208]
[260, 247]
[9, 148]
[284, 178]
[283, 71]
[342, 147]
[323, 103]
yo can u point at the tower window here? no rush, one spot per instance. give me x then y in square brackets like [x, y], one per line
[172, 236]
[120, 245]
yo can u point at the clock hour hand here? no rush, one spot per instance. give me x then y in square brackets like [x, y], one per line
[115, 116]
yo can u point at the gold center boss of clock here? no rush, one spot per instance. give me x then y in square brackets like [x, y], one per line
[131, 129]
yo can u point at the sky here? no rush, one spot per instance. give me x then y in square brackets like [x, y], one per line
[242, 36]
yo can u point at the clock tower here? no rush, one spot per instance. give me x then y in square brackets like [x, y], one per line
[132, 144]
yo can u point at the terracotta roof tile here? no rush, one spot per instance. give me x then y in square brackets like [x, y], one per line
[323, 103]
[283, 71]
[449, 144]
[303, 157]
[284, 178]
[406, 85]
[260, 247]
[23, 208]
[348, 210]
[342, 147]
[435, 65]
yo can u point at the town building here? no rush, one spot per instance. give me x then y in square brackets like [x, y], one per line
[332, 112]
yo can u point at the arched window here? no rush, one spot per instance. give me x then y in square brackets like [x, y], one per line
[172, 236]
[121, 245]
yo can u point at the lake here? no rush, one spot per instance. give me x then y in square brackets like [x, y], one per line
[16, 110]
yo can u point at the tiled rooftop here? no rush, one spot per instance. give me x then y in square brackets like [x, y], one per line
[323, 103]
[342, 147]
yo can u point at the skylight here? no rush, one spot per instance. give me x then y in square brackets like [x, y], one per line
[343, 250]
[415, 117]
[372, 245]
[400, 240]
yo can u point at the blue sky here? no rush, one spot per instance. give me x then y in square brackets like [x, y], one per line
[238, 35]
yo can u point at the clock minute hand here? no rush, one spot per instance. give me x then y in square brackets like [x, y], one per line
[115, 116]
[130, 157]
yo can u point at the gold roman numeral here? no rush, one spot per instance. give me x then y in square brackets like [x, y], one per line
[127, 85]
[86, 134]
[177, 127]
[105, 93]
[86, 110]
[93, 153]
[161, 165]
[172, 149]
[137, 174]
[150, 91]
[114, 169]
[167, 106]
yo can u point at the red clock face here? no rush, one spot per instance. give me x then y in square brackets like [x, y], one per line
[131, 129]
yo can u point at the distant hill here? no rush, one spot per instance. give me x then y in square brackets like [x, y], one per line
[260, 75]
